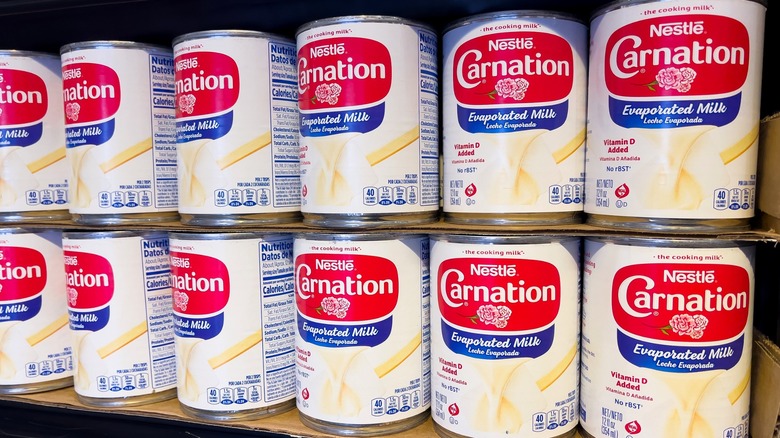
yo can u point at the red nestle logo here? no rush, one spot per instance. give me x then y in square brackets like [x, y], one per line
[682, 55]
[206, 83]
[90, 92]
[499, 294]
[343, 287]
[681, 301]
[343, 72]
[513, 68]
[23, 97]
[201, 284]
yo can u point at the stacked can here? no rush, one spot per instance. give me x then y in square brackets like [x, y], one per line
[235, 321]
[236, 128]
[514, 118]
[33, 171]
[119, 128]
[35, 346]
[505, 335]
[363, 339]
[369, 128]
[673, 114]
[666, 337]
[121, 320]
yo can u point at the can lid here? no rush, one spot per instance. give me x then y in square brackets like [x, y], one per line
[111, 44]
[619, 4]
[358, 236]
[111, 234]
[27, 53]
[390, 19]
[228, 33]
[512, 15]
[671, 242]
[242, 235]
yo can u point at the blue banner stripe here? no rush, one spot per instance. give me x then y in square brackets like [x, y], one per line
[496, 346]
[512, 119]
[96, 134]
[331, 335]
[680, 358]
[674, 113]
[21, 136]
[323, 124]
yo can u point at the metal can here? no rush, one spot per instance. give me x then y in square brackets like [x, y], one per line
[673, 114]
[33, 172]
[369, 132]
[363, 339]
[514, 102]
[35, 346]
[119, 129]
[120, 309]
[235, 322]
[666, 337]
[236, 128]
[505, 335]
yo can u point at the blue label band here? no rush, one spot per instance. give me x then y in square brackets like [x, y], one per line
[20, 311]
[96, 134]
[91, 321]
[492, 346]
[674, 113]
[210, 127]
[512, 119]
[679, 359]
[338, 122]
[23, 136]
[201, 328]
[344, 335]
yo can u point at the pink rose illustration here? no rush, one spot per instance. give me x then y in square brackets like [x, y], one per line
[673, 78]
[334, 306]
[687, 325]
[187, 103]
[327, 93]
[180, 300]
[508, 87]
[492, 315]
[72, 296]
[72, 111]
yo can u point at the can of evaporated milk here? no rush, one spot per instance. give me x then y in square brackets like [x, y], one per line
[33, 171]
[119, 128]
[505, 335]
[666, 337]
[35, 346]
[120, 308]
[369, 132]
[363, 340]
[514, 100]
[235, 321]
[236, 128]
[673, 114]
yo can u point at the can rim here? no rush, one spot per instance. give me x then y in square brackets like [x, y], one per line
[108, 234]
[361, 237]
[111, 44]
[512, 14]
[696, 242]
[390, 19]
[620, 4]
[242, 235]
[220, 33]
[504, 239]
[27, 53]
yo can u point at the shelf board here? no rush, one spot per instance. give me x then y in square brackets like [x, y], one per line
[169, 413]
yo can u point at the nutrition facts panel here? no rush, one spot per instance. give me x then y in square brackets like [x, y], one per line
[284, 125]
[429, 120]
[159, 305]
[164, 130]
[278, 318]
